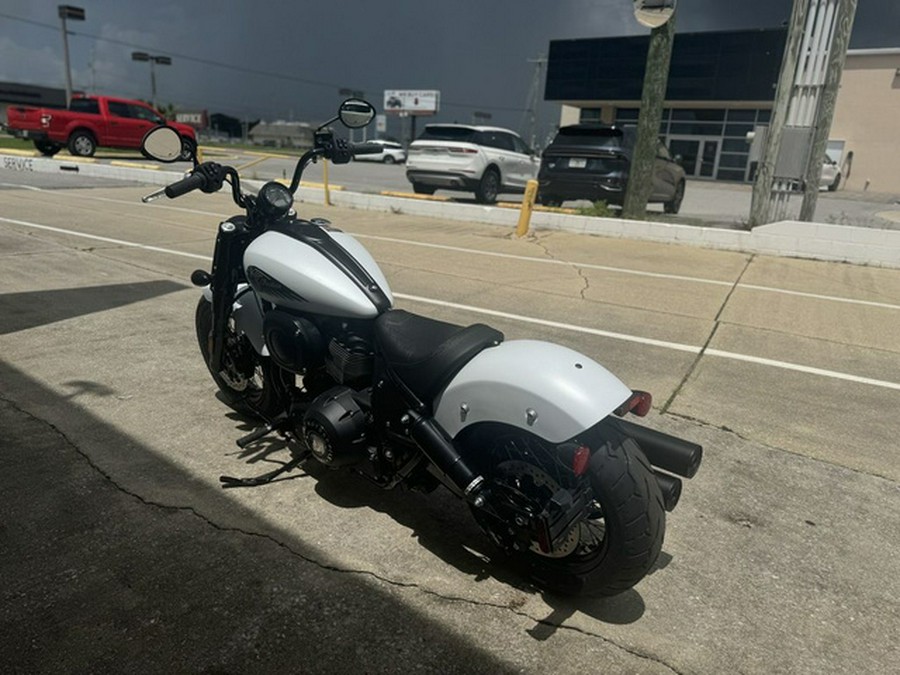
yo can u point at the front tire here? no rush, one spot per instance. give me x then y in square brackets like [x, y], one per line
[82, 144]
[188, 150]
[619, 540]
[251, 384]
[835, 183]
[674, 206]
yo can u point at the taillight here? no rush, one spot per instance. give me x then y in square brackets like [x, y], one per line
[580, 460]
[462, 151]
[638, 403]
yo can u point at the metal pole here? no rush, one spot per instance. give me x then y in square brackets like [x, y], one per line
[846, 12]
[656, 77]
[62, 18]
[152, 83]
[765, 173]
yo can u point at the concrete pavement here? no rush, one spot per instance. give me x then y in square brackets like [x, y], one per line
[120, 551]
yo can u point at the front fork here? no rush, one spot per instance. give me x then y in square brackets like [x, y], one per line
[227, 273]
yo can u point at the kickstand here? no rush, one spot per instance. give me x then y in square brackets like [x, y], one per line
[231, 481]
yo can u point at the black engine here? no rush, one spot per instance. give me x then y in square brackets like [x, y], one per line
[334, 428]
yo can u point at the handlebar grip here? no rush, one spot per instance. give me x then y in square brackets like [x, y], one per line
[365, 148]
[185, 185]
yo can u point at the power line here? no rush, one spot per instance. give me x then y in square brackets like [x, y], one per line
[244, 69]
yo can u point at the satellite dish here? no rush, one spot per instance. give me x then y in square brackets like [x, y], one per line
[653, 13]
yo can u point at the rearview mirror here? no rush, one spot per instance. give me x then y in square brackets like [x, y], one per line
[162, 144]
[356, 113]
[653, 13]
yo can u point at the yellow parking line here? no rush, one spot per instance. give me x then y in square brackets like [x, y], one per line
[134, 165]
[249, 164]
[20, 153]
[410, 195]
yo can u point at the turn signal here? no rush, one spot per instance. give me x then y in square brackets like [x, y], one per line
[638, 403]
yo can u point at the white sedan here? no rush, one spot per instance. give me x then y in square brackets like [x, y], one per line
[392, 153]
[831, 175]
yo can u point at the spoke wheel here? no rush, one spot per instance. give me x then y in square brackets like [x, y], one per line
[250, 383]
[617, 540]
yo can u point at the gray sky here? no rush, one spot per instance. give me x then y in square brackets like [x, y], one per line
[288, 60]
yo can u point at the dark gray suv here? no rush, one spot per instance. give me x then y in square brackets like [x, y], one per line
[591, 161]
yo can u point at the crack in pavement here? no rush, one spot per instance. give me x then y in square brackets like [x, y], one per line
[539, 240]
[190, 510]
[716, 323]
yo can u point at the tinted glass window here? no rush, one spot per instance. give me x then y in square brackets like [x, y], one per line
[504, 141]
[519, 145]
[141, 113]
[118, 109]
[438, 133]
[603, 137]
[85, 105]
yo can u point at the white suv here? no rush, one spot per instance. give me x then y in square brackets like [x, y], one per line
[485, 160]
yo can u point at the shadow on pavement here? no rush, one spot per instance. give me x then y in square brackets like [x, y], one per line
[21, 311]
[97, 579]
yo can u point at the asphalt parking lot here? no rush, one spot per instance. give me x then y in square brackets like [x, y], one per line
[121, 552]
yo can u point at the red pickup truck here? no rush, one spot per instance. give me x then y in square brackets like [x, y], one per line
[90, 122]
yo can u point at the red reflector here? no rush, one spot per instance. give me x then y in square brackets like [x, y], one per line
[638, 403]
[580, 460]
[464, 151]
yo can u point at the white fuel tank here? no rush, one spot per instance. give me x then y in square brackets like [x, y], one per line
[320, 272]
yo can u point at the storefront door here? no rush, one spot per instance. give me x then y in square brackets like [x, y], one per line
[699, 156]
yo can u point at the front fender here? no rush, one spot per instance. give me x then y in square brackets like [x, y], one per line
[546, 389]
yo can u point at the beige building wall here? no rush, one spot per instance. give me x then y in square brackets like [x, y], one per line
[867, 120]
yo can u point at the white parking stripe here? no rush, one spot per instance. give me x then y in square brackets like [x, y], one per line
[676, 346]
[569, 263]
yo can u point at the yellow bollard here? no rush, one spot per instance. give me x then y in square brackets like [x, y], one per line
[325, 181]
[199, 155]
[527, 207]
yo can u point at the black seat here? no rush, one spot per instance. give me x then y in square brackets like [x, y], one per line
[424, 354]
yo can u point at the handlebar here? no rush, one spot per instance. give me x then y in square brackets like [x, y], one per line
[365, 148]
[193, 182]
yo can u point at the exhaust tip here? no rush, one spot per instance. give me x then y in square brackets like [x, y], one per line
[670, 486]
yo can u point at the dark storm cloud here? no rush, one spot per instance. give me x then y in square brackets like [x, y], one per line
[288, 60]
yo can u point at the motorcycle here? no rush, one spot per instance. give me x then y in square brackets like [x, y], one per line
[297, 326]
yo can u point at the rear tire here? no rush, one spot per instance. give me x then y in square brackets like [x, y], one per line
[420, 189]
[253, 385]
[488, 188]
[617, 544]
[47, 148]
[550, 201]
[389, 159]
[834, 185]
[82, 144]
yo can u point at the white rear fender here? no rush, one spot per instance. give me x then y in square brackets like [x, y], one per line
[551, 391]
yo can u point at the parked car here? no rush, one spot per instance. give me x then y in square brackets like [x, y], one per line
[392, 153]
[91, 122]
[591, 161]
[831, 175]
[485, 160]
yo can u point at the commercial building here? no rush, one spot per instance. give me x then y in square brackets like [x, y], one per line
[721, 86]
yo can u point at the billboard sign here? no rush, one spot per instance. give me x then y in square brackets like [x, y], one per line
[412, 101]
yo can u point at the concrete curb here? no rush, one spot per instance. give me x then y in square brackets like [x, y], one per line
[819, 241]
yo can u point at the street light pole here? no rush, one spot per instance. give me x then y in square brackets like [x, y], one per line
[76, 14]
[162, 60]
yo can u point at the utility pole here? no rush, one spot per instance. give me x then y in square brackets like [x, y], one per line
[846, 12]
[76, 14]
[804, 107]
[765, 171]
[661, 16]
[534, 98]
